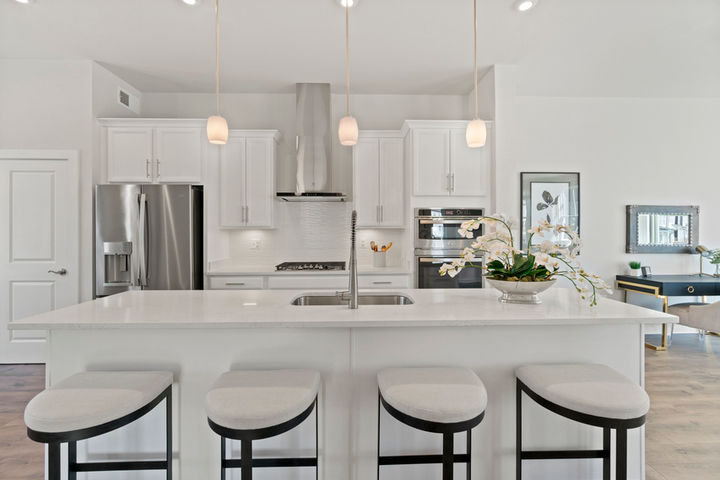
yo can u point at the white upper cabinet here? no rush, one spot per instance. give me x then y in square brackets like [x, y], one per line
[178, 154]
[247, 179]
[145, 150]
[378, 179]
[129, 154]
[443, 164]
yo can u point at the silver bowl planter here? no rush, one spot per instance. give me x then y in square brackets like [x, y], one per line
[520, 292]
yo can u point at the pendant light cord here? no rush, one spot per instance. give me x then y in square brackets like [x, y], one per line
[347, 57]
[217, 56]
[475, 56]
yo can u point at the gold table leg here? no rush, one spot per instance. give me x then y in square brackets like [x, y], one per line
[664, 340]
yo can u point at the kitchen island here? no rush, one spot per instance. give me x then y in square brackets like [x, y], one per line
[200, 334]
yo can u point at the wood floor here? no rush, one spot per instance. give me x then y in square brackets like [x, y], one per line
[682, 433]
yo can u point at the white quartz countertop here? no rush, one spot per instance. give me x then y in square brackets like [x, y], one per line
[271, 308]
[235, 269]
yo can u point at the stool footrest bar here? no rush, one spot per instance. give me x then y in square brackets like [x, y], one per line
[419, 459]
[118, 466]
[563, 454]
[272, 462]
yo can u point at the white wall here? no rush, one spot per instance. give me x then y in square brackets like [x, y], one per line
[627, 150]
[47, 104]
[322, 230]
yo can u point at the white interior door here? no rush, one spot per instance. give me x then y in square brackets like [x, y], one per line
[38, 244]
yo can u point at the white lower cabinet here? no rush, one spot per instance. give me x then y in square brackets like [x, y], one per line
[305, 282]
[236, 283]
[247, 179]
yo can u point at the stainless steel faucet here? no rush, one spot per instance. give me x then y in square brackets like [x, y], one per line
[353, 286]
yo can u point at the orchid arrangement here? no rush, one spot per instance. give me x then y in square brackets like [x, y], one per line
[539, 263]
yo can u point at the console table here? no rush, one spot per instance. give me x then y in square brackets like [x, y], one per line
[665, 286]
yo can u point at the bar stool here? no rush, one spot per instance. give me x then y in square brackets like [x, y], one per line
[249, 405]
[89, 404]
[591, 394]
[438, 400]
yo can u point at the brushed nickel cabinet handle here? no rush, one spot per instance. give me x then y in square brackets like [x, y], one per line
[147, 168]
[382, 283]
[157, 168]
[239, 284]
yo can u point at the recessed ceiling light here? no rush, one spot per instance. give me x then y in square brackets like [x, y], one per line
[190, 2]
[348, 3]
[23, 1]
[525, 5]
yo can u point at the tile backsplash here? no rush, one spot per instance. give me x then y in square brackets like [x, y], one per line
[311, 231]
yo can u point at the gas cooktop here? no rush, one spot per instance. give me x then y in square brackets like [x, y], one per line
[292, 266]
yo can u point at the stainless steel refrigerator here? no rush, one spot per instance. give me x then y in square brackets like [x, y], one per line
[148, 237]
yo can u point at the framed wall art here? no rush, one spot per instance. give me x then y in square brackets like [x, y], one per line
[553, 197]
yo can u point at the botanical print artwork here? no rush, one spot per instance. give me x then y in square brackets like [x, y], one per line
[550, 203]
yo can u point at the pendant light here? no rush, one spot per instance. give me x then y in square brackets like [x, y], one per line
[217, 127]
[348, 128]
[476, 132]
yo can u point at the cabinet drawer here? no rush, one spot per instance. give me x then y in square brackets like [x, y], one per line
[689, 289]
[308, 282]
[383, 281]
[236, 283]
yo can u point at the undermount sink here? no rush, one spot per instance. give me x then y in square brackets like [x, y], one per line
[310, 300]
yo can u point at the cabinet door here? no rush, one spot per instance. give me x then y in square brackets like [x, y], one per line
[259, 182]
[469, 166]
[178, 155]
[129, 154]
[366, 158]
[431, 161]
[232, 183]
[392, 191]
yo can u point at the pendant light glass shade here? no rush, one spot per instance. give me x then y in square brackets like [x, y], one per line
[348, 127]
[217, 127]
[476, 133]
[348, 131]
[217, 130]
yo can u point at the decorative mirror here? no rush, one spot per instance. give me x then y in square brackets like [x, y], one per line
[662, 229]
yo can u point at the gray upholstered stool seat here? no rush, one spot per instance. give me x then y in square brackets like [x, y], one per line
[591, 389]
[253, 399]
[249, 405]
[442, 395]
[444, 400]
[595, 395]
[90, 399]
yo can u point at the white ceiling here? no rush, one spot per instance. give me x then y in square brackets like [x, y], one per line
[562, 47]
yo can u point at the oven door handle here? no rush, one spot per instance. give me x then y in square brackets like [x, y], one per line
[456, 221]
[437, 259]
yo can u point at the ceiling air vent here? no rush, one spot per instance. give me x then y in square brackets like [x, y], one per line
[128, 100]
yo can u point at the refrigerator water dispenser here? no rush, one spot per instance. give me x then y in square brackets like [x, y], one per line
[117, 262]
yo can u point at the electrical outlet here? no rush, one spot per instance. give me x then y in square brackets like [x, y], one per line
[255, 244]
[363, 243]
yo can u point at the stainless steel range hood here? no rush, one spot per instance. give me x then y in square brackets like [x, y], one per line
[313, 125]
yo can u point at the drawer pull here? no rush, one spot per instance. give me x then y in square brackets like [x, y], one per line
[691, 289]
[382, 283]
[240, 284]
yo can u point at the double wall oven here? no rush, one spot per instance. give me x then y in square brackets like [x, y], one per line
[437, 241]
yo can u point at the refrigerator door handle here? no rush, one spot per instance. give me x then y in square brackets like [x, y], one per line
[142, 242]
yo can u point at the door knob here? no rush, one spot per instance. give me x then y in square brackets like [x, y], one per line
[62, 271]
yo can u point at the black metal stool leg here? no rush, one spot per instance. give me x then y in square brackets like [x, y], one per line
[518, 431]
[447, 456]
[317, 442]
[222, 458]
[469, 453]
[72, 460]
[621, 454]
[54, 461]
[168, 434]
[378, 439]
[606, 453]
[246, 468]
